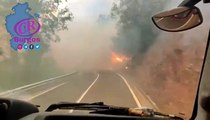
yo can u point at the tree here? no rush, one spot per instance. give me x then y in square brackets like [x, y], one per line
[135, 29]
[54, 18]
[54, 15]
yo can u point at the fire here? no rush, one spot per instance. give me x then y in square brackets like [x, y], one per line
[117, 58]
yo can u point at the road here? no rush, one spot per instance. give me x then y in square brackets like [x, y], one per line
[103, 86]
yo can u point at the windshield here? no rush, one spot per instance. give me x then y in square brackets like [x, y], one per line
[98, 51]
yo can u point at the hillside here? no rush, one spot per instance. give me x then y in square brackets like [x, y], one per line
[170, 71]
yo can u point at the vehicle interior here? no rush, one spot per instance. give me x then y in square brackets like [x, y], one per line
[180, 19]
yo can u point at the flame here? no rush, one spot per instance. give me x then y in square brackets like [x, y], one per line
[117, 58]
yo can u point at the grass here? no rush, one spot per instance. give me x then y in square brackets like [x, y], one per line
[14, 74]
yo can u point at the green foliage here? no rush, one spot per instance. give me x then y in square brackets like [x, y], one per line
[54, 15]
[54, 18]
[1, 51]
[136, 32]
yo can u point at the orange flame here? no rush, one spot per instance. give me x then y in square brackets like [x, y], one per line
[117, 58]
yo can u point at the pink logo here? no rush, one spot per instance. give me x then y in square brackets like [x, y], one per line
[19, 46]
[27, 27]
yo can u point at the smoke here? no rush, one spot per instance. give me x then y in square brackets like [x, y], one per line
[135, 31]
[87, 44]
[172, 65]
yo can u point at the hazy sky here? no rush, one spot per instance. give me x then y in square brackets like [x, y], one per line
[89, 8]
[87, 44]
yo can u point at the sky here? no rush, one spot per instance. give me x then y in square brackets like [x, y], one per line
[87, 44]
[89, 8]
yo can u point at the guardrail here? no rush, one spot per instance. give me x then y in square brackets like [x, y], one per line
[33, 84]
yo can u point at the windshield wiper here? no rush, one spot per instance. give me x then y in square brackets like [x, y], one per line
[101, 108]
[78, 106]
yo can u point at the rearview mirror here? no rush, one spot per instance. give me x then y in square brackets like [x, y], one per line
[178, 19]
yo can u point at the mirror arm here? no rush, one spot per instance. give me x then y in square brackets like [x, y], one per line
[189, 3]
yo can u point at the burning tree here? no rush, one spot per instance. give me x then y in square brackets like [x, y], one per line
[136, 33]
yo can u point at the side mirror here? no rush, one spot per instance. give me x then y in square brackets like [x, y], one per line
[178, 19]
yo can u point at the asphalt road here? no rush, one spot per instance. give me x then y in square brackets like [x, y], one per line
[104, 86]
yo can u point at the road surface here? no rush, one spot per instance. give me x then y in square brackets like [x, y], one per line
[103, 86]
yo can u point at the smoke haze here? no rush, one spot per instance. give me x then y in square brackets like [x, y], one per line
[87, 44]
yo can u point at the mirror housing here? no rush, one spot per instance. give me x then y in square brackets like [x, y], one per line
[178, 19]
[206, 1]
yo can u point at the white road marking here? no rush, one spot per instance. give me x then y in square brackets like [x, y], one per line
[33, 85]
[83, 95]
[130, 89]
[153, 103]
[148, 98]
[46, 91]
